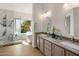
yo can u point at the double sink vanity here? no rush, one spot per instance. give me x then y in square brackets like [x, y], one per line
[56, 47]
[62, 45]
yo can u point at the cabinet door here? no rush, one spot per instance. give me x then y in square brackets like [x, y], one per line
[38, 42]
[47, 49]
[68, 53]
[58, 51]
[41, 45]
[53, 49]
[47, 52]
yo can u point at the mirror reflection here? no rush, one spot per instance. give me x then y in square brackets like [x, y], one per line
[72, 22]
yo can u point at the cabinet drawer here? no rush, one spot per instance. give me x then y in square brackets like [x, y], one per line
[47, 52]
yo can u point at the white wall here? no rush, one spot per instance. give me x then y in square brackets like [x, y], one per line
[37, 11]
[59, 11]
[37, 25]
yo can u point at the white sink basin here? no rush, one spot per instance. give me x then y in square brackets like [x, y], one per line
[71, 45]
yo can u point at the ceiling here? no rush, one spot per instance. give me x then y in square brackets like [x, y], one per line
[20, 7]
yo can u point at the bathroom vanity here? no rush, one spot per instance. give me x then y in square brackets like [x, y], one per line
[56, 47]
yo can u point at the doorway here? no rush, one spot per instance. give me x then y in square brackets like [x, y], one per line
[23, 30]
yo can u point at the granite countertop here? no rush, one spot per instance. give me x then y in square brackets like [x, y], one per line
[66, 44]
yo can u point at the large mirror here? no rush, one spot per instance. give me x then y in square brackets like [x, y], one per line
[72, 22]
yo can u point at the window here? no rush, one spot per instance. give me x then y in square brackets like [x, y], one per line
[26, 27]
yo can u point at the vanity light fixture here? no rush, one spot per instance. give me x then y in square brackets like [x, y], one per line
[44, 15]
[47, 14]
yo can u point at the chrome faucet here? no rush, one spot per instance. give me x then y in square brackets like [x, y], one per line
[61, 37]
[73, 40]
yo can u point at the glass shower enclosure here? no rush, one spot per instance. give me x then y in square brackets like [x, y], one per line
[17, 29]
[10, 30]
